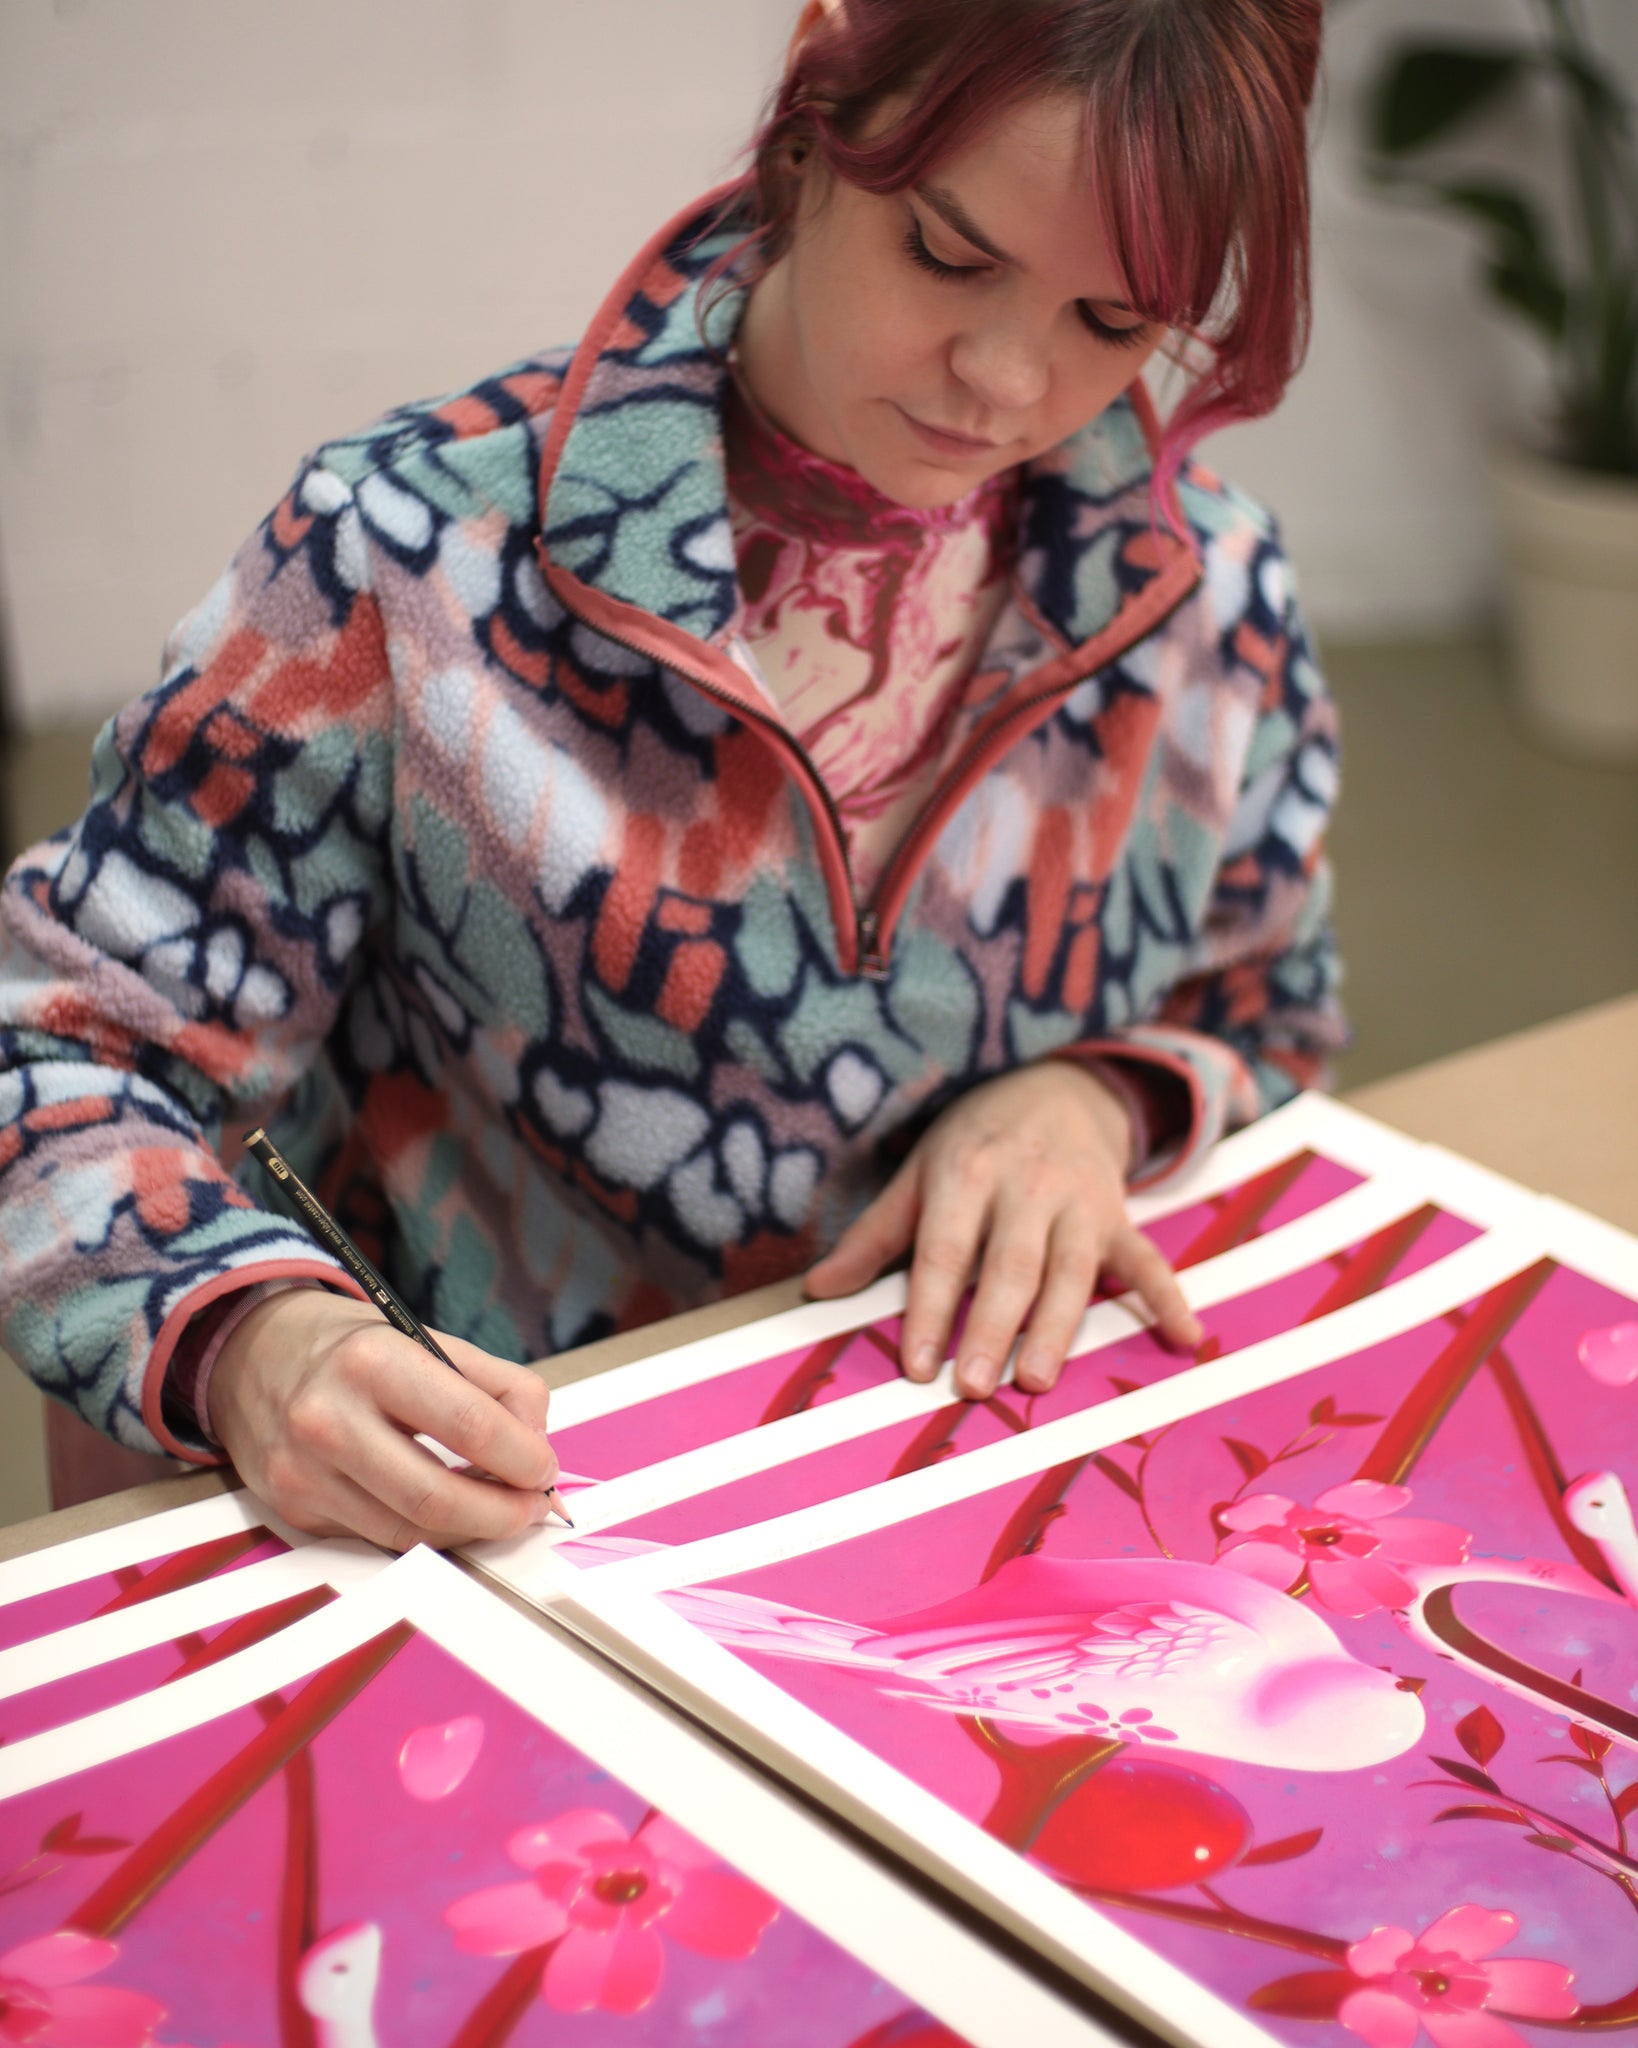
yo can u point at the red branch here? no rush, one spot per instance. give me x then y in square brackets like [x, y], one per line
[492, 2019]
[816, 1371]
[1411, 1427]
[1242, 1214]
[187, 1568]
[1372, 1262]
[198, 1817]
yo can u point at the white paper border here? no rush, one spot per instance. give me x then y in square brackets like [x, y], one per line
[138, 1542]
[65, 1653]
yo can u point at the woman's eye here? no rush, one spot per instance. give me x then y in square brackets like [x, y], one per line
[1121, 337]
[919, 253]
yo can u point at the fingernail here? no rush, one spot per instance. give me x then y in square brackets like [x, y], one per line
[978, 1379]
[1032, 1367]
[924, 1364]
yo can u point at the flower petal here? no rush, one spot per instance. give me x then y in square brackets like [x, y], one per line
[505, 1919]
[720, 1913]
[1274, 1564]
[1257, 1511]
[1381, 1952]
[1532, 1990]
[675, 1845]
[1358, 1585]
[565, 1834]
[1471, 2030]
[101, 2017]
[1366, 1498]
[618, 1969]
[434, 1761]
[1470, 1931]
[61, 1958]
[635, 1969]
[1379, 2018]
[1611, 1356]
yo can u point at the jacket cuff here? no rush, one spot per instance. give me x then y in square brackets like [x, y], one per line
[1195, 1088]
[170, 1402]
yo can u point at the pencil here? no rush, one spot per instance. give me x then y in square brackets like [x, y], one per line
[335, 1240]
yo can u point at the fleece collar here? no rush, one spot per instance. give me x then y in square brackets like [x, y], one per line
[633, 495]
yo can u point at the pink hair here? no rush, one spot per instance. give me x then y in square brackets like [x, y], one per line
[1196, 115]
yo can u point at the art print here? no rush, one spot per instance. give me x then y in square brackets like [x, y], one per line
[413, 1818]
[1313, 1674]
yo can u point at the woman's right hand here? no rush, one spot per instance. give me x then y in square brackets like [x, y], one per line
[317, 1401]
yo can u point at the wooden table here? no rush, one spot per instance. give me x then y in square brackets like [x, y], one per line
[1555, 1107]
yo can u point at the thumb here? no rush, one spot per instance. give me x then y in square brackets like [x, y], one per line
[877, 1236]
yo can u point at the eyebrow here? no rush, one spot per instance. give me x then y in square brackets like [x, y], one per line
[954, 215]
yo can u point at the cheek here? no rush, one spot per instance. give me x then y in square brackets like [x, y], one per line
[1093, 379]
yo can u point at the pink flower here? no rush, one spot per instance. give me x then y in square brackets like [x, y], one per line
[40, 2004]
[602, 1896]
[1344, 1542]
[1439, 1980]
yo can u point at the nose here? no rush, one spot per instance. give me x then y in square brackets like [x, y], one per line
[1004, 362]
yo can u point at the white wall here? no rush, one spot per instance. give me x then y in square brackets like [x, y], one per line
[1375, 461]
[228, 229]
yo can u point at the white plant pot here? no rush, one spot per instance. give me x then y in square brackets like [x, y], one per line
[1570, 539]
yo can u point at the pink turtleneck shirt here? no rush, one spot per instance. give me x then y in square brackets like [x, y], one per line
[865, 619]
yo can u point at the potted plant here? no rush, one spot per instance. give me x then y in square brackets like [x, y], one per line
[1568, 512]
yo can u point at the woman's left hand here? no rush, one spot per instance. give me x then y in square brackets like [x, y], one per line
[1018, 1190]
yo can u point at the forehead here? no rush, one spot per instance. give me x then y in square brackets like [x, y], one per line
[1028, 181]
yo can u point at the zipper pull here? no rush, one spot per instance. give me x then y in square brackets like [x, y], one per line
[872, 963]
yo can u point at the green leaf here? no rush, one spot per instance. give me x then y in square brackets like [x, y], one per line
[1426, 90]
[1521, 271]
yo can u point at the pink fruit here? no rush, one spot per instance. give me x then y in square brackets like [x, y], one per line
[1142, 1826]
[434, 1761]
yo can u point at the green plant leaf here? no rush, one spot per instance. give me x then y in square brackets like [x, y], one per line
[1520, 270]
[1427, 90]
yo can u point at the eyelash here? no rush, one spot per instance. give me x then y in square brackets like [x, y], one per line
[917, 250]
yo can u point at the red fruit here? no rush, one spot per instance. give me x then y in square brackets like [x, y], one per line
[1143, 1826]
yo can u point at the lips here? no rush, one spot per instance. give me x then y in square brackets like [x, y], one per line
[945, 440]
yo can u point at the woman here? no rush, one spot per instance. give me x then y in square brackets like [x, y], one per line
[808, 775]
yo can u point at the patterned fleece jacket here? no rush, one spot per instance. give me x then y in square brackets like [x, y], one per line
[458, 844]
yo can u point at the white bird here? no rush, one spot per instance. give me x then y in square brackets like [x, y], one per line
[1597, 1505]
[1154, 1650]
[336, 1983]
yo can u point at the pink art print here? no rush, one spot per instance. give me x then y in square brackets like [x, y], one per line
[1326, 1692]
[390, 1851]
[1407, 1245]
[128, 1585]
[851, 1361]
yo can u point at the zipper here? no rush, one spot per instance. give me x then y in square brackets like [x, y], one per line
[867, 961]
[871, 946]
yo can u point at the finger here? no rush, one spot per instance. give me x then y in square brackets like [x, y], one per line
[875, 1237]
[1008, 1282]
[518, 1388]
[953, 1222]
[1137, 1264]
[423, 1395]
[1071, 1275]
[430, 1504]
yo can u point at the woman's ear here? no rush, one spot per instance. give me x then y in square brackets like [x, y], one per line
[813, 13]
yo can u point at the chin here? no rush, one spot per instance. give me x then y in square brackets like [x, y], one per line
[923, 486]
